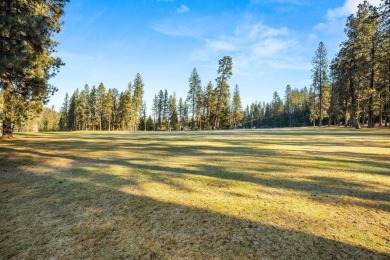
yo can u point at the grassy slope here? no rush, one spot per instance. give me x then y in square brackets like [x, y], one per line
[311, 193]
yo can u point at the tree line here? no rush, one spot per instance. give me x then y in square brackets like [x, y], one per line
[101, 109]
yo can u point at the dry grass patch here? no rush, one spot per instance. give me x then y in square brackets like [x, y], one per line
[290, 193]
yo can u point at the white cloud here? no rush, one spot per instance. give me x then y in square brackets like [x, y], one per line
[166, 27]
[335, 17]
[349, 7]
[253, 47]
[183, 9]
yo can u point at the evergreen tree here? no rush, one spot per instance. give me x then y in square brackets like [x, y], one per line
[115, 109]
[63, 122]
[49, 120]
[137, 100]
[160, 109]
[150, 124]
[165, 107]
[174, 118]
[92, 100]
[320, 81]
[108, 107]
[287, 105]
[222, 115]
[27, 63]
[194, 95]
[211, 105]
[155, 112]
[237, 107]
[101, 92]
[72, 122]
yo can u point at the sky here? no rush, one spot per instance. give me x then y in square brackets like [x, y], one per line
[271, 42]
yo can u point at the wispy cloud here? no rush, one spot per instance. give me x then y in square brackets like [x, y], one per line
[183, 9]
[335, 17]
[166, 27]
[252, 45]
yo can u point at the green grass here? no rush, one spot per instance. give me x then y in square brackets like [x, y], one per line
[282, 193]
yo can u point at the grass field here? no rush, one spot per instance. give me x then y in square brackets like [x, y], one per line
[283, 193]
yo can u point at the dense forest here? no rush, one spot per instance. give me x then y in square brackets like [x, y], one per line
[352, 89]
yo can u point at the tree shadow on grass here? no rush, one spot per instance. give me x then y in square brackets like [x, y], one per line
[49, 217]
[151, 169]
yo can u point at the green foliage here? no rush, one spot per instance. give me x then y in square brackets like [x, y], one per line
[320, 84]
[194, 97]
[237, 113]
[225, 71]
[49, 120]
[26, 61]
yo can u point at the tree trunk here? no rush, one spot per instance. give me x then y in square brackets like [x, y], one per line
[380, 115]
[7, 112]
[7, 128]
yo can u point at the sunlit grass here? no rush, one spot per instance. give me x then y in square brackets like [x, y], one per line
[229, 194]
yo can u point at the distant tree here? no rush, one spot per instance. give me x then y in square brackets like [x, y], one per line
[222, 115]
[160, 109]
[86, 115]
[150, 124]
[287, 105]
[108, 107]
[49, 120]
[321, 81]
[312, 102]
[174, 117]
[92, 100]
[63, 122]
[155, 112]
[194, 95]
[165, 107]
[237, 107]
[101, 93]
[210, 104]
[72, 120]
[137, 99]
[115, 109]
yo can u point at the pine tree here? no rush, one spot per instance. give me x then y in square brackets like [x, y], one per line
[160, 109]
[137, 100]
[287, 105]
[236, 107]
[92, 100]
[86, 110]
[222, 116]
[312, 102]
[27, 63]
[115, 109]
[72, 121]
[210, 103]
[63, 122]
[194, 95]
[174, 118]
[155, 112]
[165, 112]
[320, 81]
[108, 107]
[101, 92]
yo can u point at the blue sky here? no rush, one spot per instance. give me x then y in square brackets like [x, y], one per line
[272, 43]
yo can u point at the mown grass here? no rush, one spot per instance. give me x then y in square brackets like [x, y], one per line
[283, 193]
